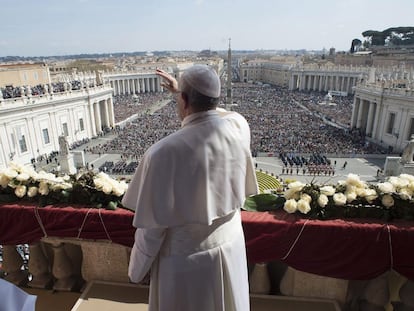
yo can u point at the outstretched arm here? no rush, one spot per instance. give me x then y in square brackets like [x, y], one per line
[169, 82]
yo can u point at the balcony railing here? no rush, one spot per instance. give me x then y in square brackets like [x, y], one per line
[68, 263]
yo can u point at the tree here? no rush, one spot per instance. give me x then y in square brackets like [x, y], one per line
[376, 38]
[355, 45]
[394, 36]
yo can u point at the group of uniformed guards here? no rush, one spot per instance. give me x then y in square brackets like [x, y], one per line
[311, 169]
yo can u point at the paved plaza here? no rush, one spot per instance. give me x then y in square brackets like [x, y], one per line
[366, 167]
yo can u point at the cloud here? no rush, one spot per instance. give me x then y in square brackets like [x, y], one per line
[199, 2]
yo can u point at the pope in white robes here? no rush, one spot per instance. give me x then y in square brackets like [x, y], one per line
[187, 193]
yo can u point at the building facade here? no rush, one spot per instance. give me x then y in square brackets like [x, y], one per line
[383, 110]
[24, 74]
[31, 125]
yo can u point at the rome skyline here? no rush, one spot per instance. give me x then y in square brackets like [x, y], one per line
[56, 28]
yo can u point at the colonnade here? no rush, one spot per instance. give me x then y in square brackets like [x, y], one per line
[323, 81]
[134, 84]
[365, 116]
[384, 115]
[101, 115]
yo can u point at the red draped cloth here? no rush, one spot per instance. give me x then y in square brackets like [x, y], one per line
[23, 223]
[348, 249]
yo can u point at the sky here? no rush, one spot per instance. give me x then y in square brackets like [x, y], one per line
[65, 27]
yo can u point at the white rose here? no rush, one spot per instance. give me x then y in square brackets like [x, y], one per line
[297, 185]
[387, 200]
[23, 177]
[292, 194]
[118, 190]
[370, 195]
[398, 182]
[327, 190]
[339, 199]
[123, 185]
[290, 206]
[66, 177]
[43, 188]
[4, 181]
[386, 187]
[99, 183]
[354, 180]
[10, 173]
[405, 194]
[107, 188]
[14, 165]
[323, 200]
[32, 192]
[350, 196]
[20, 191]
[303, 206]
[408, 177]
[306, 197]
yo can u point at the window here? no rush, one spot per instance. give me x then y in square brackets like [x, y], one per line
[81, 125]
[22, 144]
[65, 129]
[411, 131]
[391, 121]
[46, 138]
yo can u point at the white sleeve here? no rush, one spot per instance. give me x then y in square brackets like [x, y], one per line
[146, 247]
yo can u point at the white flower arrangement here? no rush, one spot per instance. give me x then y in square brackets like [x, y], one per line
[351, 197]
[20, 182]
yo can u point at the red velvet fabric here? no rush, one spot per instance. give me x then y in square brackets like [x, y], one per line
[348, 249]
[354, 249]
[19, 224]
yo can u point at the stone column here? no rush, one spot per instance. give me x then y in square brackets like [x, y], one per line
[138, 86]
[104, 105]
[133, 86]
[111, 112]
[118, 87]
[153, 85]
[92, 122]
[355, 111]
[359, 118]
[147, 85]
[370, 120]
[128, 86]
[39, 267]
[378, 116]
[98, 120]
[63, 269]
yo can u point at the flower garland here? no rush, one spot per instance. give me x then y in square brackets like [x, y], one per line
[19, 182]
[391, 199]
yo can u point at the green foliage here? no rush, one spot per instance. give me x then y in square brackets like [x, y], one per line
[397, 36]
[264, 202]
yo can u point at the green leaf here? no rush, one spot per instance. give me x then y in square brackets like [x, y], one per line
[264, 202]
[112, 205]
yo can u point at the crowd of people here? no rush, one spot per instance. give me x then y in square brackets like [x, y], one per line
[126, 105]
[293, 124]
[281, 122]
[10, 91]
[286, 121]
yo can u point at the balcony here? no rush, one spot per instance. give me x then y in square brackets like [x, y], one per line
[78, 258]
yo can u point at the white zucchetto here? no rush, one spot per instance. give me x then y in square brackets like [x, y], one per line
[204, 79]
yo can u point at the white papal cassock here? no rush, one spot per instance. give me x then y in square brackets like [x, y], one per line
[187, 193]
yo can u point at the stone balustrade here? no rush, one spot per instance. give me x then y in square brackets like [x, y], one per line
[67, 264]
